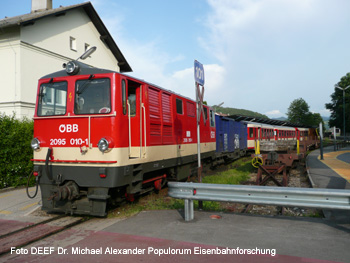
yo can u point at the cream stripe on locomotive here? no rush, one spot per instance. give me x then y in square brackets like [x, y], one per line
[71, 156]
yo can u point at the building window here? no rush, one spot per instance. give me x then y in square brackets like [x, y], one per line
[73, 43]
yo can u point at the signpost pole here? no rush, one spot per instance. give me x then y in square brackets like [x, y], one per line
[335, 138]
[321, 141]
[198, 133]
[199, 79]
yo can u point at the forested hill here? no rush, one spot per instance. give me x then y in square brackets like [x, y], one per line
[233, 111]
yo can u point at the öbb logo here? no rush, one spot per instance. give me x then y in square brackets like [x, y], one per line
[68, 128]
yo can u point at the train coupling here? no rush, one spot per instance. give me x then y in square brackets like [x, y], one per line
[68, 191]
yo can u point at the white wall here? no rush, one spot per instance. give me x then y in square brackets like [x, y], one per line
[53, 34]
[32, 51]
[9, 66]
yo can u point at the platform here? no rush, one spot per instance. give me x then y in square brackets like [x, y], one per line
[331, 172]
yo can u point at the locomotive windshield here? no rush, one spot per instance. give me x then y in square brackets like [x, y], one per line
[92, 96]
[52, 99]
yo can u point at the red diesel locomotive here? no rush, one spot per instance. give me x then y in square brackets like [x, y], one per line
[100, 135]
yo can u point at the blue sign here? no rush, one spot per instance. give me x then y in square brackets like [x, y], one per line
[198, 73]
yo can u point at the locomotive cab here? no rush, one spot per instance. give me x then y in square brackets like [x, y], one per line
[72, 133]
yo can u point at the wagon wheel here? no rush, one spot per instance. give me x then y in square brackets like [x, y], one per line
[257, 161]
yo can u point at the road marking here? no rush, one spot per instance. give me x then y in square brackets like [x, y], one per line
[30, 189]
[31, 211]
[5, 195]
[4, 212]
[28, 206]
[340, 167]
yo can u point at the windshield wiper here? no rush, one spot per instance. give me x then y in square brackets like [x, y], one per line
[84, 86]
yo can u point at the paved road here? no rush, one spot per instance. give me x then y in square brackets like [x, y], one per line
[15, 205]
[154, 232]
[148, 234]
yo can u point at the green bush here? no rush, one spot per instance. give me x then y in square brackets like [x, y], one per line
[15, 150]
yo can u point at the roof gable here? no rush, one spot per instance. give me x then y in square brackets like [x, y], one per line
[105, 36]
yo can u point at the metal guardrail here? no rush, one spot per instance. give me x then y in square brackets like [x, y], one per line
[261, 195]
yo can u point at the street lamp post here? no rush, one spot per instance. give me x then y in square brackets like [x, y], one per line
[336, 86]
[217, 106]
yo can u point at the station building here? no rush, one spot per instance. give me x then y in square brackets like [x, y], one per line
[38, 43]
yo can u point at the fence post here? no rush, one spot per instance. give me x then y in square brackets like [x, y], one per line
[189, 213]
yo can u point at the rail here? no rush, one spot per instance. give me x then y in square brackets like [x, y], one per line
[261, 195]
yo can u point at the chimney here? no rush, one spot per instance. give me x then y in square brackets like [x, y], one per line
[41, 5]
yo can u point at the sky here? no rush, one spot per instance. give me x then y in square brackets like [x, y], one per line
[258, 55]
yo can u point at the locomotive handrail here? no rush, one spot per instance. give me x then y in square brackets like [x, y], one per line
[262, 195]
[75, 116]
[89, 143]
[74, 161]
[144, 125]
[129, 121]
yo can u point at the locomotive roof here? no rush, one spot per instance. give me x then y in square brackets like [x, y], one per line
[267, 121]
[84, 70]
[88, 70]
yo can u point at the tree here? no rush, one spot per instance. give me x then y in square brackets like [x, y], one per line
[315, 119]
[298, 113]
[336, 105]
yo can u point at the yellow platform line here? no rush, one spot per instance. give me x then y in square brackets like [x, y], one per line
[340, 167]
[28, 206]
[5, 195]
[4, 212]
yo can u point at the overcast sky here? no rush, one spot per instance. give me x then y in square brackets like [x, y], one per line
[258, 55]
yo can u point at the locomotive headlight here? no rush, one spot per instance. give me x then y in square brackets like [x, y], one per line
[72, 68]
[105, 145]
[35, 143]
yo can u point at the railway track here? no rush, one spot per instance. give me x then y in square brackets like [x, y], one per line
[20, 237]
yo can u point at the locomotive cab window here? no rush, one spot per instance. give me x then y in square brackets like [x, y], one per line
[92, 96]
[52, 99]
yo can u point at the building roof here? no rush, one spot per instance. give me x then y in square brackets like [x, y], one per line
[90, 11]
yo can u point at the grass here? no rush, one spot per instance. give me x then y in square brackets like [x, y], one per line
[152, 201]
[238, 172]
